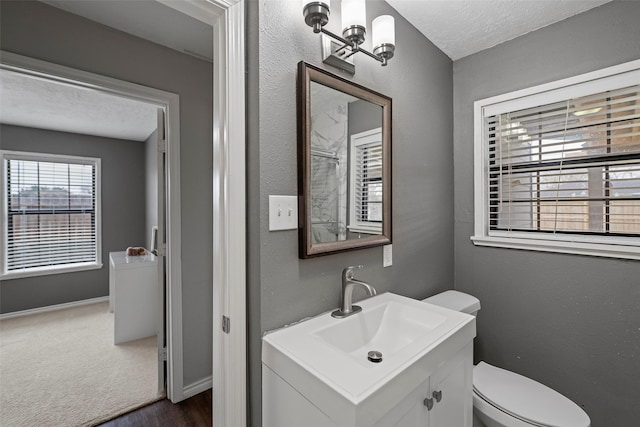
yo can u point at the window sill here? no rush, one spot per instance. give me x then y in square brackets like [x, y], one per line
[620, 251]
[365, 230]
[45, 271]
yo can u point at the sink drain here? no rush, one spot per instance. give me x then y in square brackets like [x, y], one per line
[374, 356]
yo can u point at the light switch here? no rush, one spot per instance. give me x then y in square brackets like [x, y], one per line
[283, 213]
[387, 256]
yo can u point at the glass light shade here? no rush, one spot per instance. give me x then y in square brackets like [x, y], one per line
[383, 31]
[354, 12]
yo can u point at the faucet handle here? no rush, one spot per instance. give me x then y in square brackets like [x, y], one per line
[348, 271]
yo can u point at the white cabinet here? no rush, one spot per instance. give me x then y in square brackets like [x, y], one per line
[451, 389]
[133, 296]
[443, 399]
[320, 369]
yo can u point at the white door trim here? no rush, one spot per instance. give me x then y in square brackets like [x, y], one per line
[171, 102]
[229, 191]
[229, 212]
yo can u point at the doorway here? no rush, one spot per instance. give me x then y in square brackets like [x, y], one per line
[169, 340]
[227, 18]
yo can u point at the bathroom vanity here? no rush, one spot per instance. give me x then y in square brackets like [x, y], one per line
[319, 371]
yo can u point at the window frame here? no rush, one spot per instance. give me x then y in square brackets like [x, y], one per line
[5, 155]
[610, 78]
[357, 140]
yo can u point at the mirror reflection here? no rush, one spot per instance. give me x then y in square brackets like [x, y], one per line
[344, 164]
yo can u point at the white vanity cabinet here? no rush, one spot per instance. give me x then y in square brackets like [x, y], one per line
[443, 400]
[452, 392]
[320, 372]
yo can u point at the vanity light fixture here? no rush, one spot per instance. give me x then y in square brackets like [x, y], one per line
[316, 15]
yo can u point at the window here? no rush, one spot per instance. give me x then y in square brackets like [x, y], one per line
[558, 166]
[365, 190]
[51, 214]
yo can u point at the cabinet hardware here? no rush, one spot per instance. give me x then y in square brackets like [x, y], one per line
[428, 402]
[437, 395]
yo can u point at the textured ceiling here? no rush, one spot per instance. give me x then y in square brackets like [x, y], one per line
[463, 27]
[45, 104]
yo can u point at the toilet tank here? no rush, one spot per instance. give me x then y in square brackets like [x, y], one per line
[455, 300]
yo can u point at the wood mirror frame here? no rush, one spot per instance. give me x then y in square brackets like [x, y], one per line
[307, 248]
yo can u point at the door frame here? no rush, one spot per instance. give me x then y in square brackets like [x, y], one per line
[227, 17]
[229, 374]
[170, 102]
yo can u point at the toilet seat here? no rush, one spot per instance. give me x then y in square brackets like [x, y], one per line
[526, 399]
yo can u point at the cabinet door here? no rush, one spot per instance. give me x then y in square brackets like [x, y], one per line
[284, 406]
[410, 412]
[451, 390]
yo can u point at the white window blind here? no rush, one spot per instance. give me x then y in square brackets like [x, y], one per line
[366, 185]
[51, 212]
[568, 167]
[557, 166]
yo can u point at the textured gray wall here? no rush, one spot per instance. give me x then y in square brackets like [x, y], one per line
[151, 186]
[283, 288]
[571, 322]
[40, 31]
[363, 116]
[122, 170]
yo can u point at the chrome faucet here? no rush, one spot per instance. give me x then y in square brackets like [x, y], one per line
[348, 283]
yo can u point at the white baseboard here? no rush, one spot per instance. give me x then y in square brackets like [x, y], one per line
[53, 307]
[197, 387]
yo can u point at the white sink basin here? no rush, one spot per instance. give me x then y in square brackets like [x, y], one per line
[325, 359]
[388, 328]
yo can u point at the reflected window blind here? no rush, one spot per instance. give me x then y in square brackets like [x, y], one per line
[567, 167]
[368, 183]
[51, 213]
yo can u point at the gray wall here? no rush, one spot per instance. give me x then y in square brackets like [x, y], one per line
[122, 190]
[283, 288]
[151, 186]
[571, 322]
[40, 31]
[363, 116]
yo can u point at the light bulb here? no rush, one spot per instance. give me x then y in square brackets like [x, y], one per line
[384, 38]
[354, 12]
[383, 31]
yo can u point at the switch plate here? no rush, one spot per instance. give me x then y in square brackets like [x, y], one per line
[283, 213]
[387, 256]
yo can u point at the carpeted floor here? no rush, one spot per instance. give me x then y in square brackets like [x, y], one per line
[62, 369]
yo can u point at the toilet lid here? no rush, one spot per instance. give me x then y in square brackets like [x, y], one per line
[526, 399]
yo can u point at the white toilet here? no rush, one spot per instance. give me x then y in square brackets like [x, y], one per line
[505, 399]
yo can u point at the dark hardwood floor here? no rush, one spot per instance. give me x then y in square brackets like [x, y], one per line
[193, 412]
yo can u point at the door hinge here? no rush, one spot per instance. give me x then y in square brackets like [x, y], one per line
[162, 146]
[162, 250]
[162, 354]
[226, 324]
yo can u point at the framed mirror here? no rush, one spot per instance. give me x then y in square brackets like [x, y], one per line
[344, 164]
